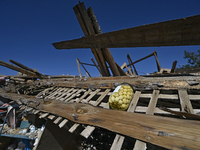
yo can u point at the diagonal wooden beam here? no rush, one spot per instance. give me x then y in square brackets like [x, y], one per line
[86, 25]
[179, 32]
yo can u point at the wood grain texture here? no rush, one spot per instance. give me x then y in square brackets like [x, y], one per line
[167, 132]
[184, 31]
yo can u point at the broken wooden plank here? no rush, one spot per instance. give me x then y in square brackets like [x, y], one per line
[167, 132]
[180, 32]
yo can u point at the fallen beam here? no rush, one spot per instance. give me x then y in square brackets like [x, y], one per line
[167, 132]
[5, 64]
[179, 32]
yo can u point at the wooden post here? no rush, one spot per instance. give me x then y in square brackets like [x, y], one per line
[173, 66]
[84, 68]
[157, 62]
[87, 28]
[106, 51]
[130, 62]
[79, 70]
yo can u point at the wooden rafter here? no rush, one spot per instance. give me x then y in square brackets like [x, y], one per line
[179, 32]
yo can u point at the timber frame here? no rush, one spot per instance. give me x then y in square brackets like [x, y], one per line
[164, 110]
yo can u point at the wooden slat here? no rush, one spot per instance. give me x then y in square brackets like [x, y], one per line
[57, 120]
[53, 93]
[118, 141]
[101, 97]
[92, 95]
[186, 105]
[194, 97]
[58, 94]
[150, 111]
[87, 131]
[63, 123]
[73, 95]
[44, 92]
[43, 115]
[83, 96]
[37, 111]
[74, 127]
[67, 94]
[161, 96]
[184, 31]
[139, 145]
[51, 117]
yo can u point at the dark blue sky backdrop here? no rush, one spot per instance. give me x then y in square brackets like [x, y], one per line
[28, 27]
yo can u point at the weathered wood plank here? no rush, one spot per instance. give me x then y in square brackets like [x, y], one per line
[63, 123]
[83, 96]
[185, 31]
[186, 105]
[51, 117]
[73, 95]
[57, 120]
[87, 131]
[118, 141]
[92, 95]
[5, 64]
[43, 115]
[150, 111]
[167, 132]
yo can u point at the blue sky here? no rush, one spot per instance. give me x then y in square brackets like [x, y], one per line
[29, 27]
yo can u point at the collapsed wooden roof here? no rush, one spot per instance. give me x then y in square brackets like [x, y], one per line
[64, 98]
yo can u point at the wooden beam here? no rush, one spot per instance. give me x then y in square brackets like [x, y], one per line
[157, 62]
[142, 83]
[5, 64]
[179, 32]
[79, 70]
[106, 51]
[131, 63]
[86, 25]
[167, 132]
[84, 68]
[96, 65]
[173, 66]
